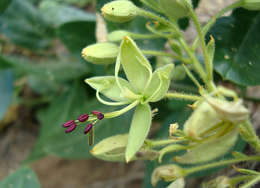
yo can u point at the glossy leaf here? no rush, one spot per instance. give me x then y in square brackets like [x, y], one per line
[69, 105]
[23, 177]
[58, 14]
[6, 90]
[25, 26]
[77, 35]
[107, 86]
[136, 67]
[237, 53]
[139, 130]
[209, 150]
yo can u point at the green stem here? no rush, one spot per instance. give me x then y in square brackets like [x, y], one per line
[188, 72]
[251, 182]
[221, 163]
[143, 36]
[249, 135]
[213, 20]
[158, 143]
[236, 180]
[183, 96]
[208, 63]
[122, 111]
[194, 59]
[160, 53]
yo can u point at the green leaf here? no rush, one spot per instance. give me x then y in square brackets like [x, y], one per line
[3, 5]
[49, 70]
[23, 178]
[77, 35]
[136, 67]
[69, 105]
[139, 130]
[24, 26]
[108, 87]
[237, 47]
[159, 84]
[6, 90]
[58, 14]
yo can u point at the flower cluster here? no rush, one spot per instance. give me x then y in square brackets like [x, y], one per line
[92, 118]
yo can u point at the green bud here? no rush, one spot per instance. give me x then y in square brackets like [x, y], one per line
[119, 11]
[231, 111]
[167, 173]
[118, 35]
[101, 53]
[210, 149]
[176, 8]
[251, 4]
[219, 182]
[178, 73]
[179, 183]
[113, 149]
[202, 119]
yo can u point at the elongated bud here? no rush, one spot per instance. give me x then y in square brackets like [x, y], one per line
[113, 149]
[251, 4]
[118, 35]
[99, 115]
[176, 8]
[119, 11]
[167, 173]
[101, 53]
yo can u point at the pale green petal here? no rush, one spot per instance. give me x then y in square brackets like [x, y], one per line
[139, 129]
[159, 84]
[136, 67]
[108, 86]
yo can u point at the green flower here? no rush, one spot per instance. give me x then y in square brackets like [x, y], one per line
[141, 87]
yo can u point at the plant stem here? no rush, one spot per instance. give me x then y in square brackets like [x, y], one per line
[213, 20]
[251, 182]
[160, 53]
[157, 143]
[183, 96]
[122, 111]
[188, 72]
[221, 163]
[208, 63]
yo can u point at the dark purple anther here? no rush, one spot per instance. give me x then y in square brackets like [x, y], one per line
[83, 117]
[68, 123]
[71, 128]
[88, 128]
[98, 114]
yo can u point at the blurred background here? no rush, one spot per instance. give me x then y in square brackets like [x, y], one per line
[42, 85]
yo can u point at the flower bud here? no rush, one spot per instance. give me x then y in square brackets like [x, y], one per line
[101, 53]
[113, 149]
[202, 119]
[118, 35]
[251, 4]
[167, 173]
[230, 111]
[83, 117]
[88, 128]
[221, 182]
[119, 11]
[175, 8]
